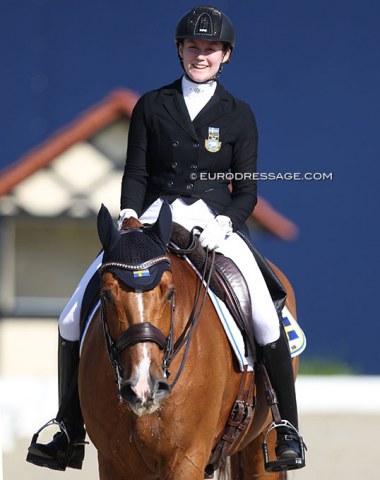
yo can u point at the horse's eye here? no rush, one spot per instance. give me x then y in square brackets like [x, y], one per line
[108, 296]
[169, 294]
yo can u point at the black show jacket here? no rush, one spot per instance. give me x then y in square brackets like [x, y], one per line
[167, 155]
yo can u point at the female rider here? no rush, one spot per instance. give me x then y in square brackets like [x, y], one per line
[186, 140]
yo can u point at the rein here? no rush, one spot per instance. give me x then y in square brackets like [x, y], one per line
[187, 333]
[147, 332]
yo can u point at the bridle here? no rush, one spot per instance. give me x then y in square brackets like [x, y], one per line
[146, 331]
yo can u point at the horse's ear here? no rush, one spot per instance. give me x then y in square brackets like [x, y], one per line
[109, 235]
[163, 226]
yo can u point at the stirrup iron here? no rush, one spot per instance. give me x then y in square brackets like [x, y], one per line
[53, 421]
[288, 463]
[62, 462]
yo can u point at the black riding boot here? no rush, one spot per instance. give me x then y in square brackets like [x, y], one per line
[277, 360]
[67, 447]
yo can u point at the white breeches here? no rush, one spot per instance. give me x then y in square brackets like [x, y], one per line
[265, 319]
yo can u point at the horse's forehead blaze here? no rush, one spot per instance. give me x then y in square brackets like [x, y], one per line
[139, 306]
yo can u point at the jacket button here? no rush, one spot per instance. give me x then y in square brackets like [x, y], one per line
[196, 145]
[194, 166]
[189, 186]
[174, 165]
[175, 143]
[169, 184]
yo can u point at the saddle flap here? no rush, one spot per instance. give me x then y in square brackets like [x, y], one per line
[237, 298]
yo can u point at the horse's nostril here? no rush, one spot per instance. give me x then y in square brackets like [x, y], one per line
[163, 385]
[127, 392]
[162, 389]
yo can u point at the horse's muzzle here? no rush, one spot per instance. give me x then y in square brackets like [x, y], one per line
[144, 399]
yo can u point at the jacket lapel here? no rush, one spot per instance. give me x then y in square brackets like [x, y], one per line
[176, 106]
[215, 108]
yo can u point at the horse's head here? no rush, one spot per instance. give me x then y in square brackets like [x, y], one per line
[137, 306]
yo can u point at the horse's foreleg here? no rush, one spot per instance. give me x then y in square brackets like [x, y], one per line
[248, 464]
[109, 471]
[187, 466]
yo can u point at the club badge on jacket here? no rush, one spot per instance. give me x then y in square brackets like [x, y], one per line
[212, 143]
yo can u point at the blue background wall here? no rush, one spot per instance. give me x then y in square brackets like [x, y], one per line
[310, 71]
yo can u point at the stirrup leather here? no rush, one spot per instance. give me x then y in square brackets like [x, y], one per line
[288, 463]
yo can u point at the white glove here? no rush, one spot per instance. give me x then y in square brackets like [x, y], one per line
[126, 213]
[215, 232]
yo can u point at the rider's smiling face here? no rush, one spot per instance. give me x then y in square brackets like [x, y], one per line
[202, 58]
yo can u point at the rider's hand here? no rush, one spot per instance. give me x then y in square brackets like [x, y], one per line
[126, 213]
[215, 232]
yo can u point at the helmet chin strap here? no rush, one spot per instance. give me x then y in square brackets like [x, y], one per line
[214, 78]
[200, 83]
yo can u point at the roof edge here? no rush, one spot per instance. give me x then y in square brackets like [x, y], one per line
[117, 103]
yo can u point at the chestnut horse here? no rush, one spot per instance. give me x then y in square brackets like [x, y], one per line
[154, 424]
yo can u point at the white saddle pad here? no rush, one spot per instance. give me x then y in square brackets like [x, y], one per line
[296, 337]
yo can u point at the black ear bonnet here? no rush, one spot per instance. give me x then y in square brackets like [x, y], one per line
[139, 259]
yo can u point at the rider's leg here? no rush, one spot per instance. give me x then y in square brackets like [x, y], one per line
[69, 320]
[273, 344]
[277, 361]
[67, 450]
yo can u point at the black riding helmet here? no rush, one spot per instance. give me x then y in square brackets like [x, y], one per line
[206, 23]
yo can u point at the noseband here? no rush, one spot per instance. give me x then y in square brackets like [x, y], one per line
[138, 333]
